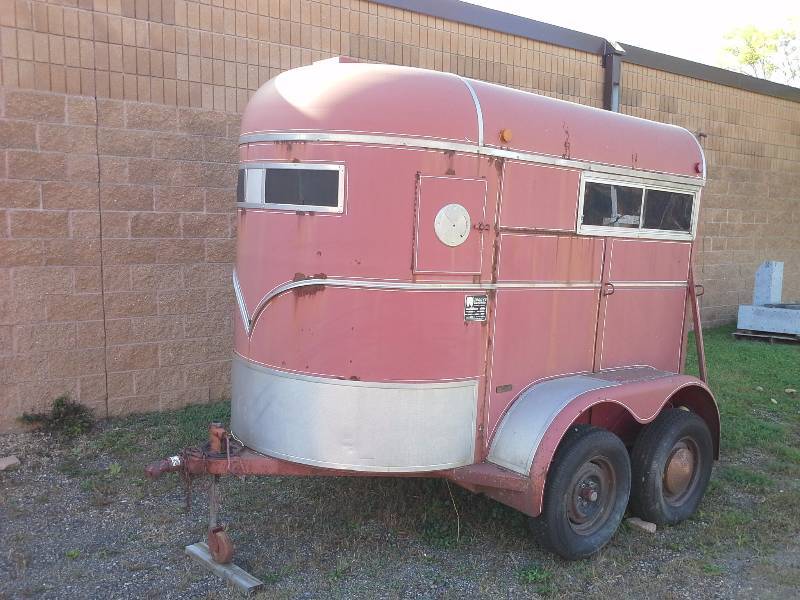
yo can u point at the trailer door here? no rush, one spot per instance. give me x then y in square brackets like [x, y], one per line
[450, 225]
[642, 301]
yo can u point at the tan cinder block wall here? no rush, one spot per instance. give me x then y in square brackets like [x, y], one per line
[751, 203]
[138, 318]
[118, 127]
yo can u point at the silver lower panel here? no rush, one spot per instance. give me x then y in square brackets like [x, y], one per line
[355, 425]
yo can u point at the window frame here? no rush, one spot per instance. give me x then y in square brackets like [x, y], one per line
[638, 232]
[307, 166]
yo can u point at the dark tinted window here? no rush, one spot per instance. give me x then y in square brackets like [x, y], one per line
[240, 186]
[609, 205]
[303, 187]
[670, 211]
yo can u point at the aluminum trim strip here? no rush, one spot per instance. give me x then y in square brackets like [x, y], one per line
[477, 108]
[237, 289]
[456, 383]
[691, 183]
[402, 285]
[702, 151]
[647, 284]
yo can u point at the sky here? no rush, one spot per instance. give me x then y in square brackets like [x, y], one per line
[691, 29]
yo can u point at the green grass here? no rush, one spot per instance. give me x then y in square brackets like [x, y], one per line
[163, 433]
[745, 478]
[745, 376]
[747, 504]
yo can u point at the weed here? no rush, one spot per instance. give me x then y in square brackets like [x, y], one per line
[273, 577]
[534, 573]
[65, 417]
[72, 554]
[712, 569]
[342, 568]
[537, 575]
[19, 562]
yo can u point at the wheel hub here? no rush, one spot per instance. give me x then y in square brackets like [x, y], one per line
[680, 470]
[592, 496]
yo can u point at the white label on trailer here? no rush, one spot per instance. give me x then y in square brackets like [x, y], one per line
[475, 308]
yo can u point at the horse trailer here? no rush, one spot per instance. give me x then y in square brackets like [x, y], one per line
[442, 277]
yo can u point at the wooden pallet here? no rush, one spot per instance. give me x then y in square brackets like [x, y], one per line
[766, 336]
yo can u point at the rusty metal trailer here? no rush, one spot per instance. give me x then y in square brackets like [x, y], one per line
[442, 277]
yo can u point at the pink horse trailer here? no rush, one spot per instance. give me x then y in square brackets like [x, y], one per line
[442, 277]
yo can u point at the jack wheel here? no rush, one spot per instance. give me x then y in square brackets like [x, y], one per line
[220, 545]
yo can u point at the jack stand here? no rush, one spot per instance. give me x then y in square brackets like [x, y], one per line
[216, 555]
[219, 542]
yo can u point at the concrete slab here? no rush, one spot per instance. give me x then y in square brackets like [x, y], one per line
[769, 283]
[773, 319]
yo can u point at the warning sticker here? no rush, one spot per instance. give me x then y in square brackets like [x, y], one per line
[475, 308]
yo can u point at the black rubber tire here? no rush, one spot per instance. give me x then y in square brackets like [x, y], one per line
[553, 527]
[648, 461]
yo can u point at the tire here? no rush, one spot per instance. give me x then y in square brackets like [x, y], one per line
[671, 465]
[585, 494]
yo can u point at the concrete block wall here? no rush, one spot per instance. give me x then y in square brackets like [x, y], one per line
[751, 203]
[116, 242]
[118, 128]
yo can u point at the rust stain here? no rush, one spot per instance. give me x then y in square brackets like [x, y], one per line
[308, 290]
[566, 141]
[450, 154]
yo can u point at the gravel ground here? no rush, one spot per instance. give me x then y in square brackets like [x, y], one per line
[78, 520]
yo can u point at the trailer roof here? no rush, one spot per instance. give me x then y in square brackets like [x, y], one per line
[337, 97]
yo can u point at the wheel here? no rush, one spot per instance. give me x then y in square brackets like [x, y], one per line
[585, 494]
[671, 465]
[220, 545]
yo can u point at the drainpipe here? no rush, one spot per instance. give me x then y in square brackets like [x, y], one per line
[612, 63]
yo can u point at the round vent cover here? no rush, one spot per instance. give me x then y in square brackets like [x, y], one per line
[452, 225]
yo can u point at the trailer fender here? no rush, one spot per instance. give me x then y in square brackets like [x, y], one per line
[530, 431]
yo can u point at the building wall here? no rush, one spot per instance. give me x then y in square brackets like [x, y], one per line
[120, 118]
[751, 204]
